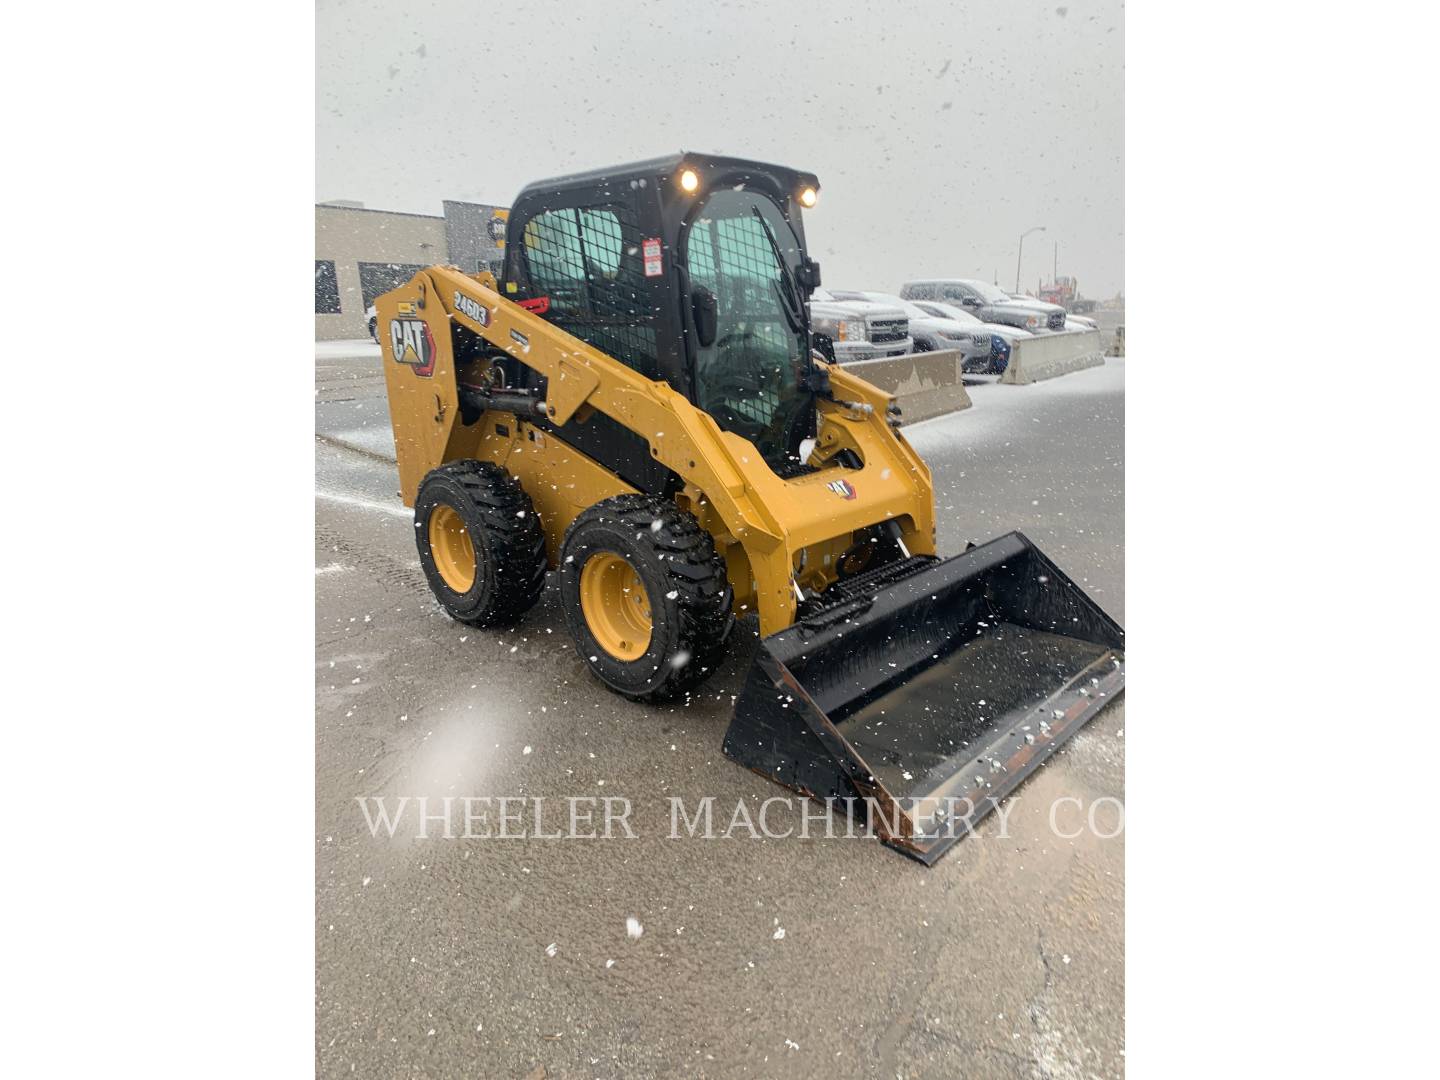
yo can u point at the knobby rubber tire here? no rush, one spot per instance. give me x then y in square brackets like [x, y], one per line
[505, 532]
[685, 582]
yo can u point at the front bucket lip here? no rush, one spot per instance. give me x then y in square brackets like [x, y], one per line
[1057, 718]
[1022, 756]
[972, 785]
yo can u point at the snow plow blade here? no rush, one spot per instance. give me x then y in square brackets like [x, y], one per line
[926, 691]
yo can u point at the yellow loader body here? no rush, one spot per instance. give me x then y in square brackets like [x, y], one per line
[772, 533]
[582, 419]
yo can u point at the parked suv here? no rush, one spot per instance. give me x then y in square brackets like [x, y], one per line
[858, 329]
[1002, 335]
[988, 302]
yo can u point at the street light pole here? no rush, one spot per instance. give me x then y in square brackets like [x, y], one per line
[1019, 254]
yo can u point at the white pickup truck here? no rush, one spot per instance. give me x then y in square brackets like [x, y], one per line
[859, 329]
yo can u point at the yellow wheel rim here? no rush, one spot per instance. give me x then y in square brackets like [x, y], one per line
[452, 549]
[615, 605]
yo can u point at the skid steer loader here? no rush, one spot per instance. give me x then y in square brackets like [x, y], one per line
[637, 405]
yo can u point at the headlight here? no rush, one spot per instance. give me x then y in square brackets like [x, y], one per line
[1032, 321]
[852, 329]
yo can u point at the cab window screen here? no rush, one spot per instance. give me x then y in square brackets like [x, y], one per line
[588, 262]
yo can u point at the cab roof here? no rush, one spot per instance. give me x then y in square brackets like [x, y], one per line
[661, 169]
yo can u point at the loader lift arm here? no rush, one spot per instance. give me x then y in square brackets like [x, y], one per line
[722, 467]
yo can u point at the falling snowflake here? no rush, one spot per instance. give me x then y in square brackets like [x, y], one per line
[633, 927]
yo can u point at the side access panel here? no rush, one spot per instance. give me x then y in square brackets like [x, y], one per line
[418, 359]
[561, 481]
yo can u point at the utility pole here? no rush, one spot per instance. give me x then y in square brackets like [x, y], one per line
[1055, 274]
[1020, 253]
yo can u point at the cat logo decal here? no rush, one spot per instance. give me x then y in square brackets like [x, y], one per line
[411, 343]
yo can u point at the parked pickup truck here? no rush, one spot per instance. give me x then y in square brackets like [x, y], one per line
[858, 329]
[933, 333]
[988, 302]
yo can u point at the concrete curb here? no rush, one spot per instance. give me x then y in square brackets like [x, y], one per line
[1046, 356]
[925, 385]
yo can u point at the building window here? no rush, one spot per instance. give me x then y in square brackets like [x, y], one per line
[377, 278]
[327, 288]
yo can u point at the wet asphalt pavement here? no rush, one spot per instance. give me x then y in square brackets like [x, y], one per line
[496, 957]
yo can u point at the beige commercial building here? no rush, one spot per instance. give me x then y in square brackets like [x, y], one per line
[361, 253]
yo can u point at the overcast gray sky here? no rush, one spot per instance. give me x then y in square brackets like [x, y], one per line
[939, 131]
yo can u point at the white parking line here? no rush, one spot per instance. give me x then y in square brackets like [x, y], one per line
[395, 510]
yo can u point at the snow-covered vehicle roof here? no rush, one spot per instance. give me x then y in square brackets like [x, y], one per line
[824, 299]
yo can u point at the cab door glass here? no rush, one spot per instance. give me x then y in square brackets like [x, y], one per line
[741, 249]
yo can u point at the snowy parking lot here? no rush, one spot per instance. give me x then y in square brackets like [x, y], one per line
[651, 954]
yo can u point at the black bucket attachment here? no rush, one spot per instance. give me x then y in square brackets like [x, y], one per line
[926, 691]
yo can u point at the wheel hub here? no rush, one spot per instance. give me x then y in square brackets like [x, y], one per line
[452, 548]
[615, 605]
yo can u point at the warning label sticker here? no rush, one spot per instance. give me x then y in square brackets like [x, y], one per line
[654, 266]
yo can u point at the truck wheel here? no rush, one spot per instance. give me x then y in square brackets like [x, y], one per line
[645, 596]
[480, 543]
